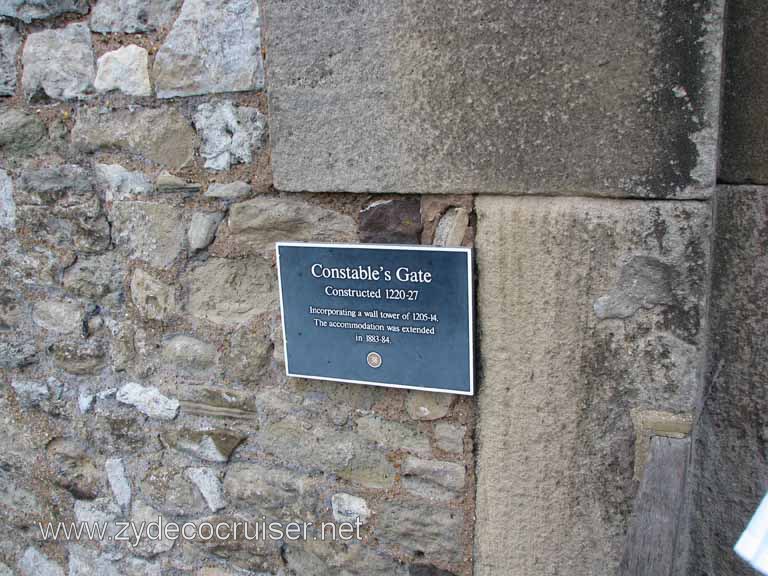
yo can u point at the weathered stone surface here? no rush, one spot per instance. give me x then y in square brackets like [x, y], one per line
[348, 508]
[207, 481]
[118, 482]
[422, 528]
[7, 205]
[230, 190]
[255, 225]
[153, 298]
[248, 356]
[58, 316]
[202, 229]
[16, 352]
[161, 135]
[84, 562]
[215, 445]
[10, 42]
[452, 227]
[125, 69]
[428, 405]
[393, 435]
[729, 470]
[121, 184]
[188, 353]
[229, 134]
[327, 559]
[427, 570]
[30, 394]
[226, 291]
[167, 183]
[149, 547]
[73, 469]
[20, 132]
[78, 357]
[35, 563]
[601, 98]
[133, 16]
[555, 433]
[745, 101]
[214, 46]
[433, 478]
[12, 309]
[167, 489]
[391, 222]
[58, 64]
[449, 437]
[28, 10]
[96, 277]
[148, 400]
[151, 232]
[271, 490]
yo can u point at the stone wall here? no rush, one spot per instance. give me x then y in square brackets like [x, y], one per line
[140, 348]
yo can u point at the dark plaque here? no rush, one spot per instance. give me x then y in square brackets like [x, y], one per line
[398, 316]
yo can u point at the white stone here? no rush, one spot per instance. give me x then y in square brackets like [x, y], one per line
[10, 42]
[209, 485]
[149, 401]
[348, 508]
[85, 401]
[7, 205]
[125, 69]
[118, 481]
[35, 563]
[59, 63]
[214, 46]
[452, 227]
[63, 317]
[428, 405]
[120, 183]
[229, 134]
[202, 229]
[230, 190]
[132, 16]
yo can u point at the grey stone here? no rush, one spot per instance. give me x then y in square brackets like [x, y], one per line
[423, 529]
[558, 426]
[248, 356]
[7, 205]
[35, 563]
[202, 229]
[149, 547]
[214, 445]
[393, 435]
[188, 353]
[214, 46]
[4, 570]
[118, 482]
[207, 481]
[601, 99]
[12, 309]
[58, 316]
[79, 358]
[433, 478]
[449, 437]
[229, 134]
[96, 277]
[121, 184]
[230, 190]
[20, 132]
[30, 394]
[271, 490]
[10, 42]
[391, 221]
[28, 10]
[168, 490]
[73, 469]
[729, 472]
[125, 69]
[16, 352]
[97, 510]
[452, 227]
[428, 405]
[427, 570]
[349, 508]
[153, 299]
[161, 135]
[148, 231]
[644, 282]
[255, 225]
[84, 562]
[133, 16]
[148, 400]
[58, 64]
[745, 100]
[225, 291]
[167, 183]
[318, 558]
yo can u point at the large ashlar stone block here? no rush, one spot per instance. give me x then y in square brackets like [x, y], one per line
[731, 433]
[588, 309]
[591, 98]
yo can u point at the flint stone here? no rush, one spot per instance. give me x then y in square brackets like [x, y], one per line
[10, 42]
[391, 222]
[161, 135]
[214, 46]
[202, 229]
[149, 401]
[80, 358]
[229, 134]
[209, 485]
[229, 190]
[255, 225]
[428, 405]
[7, 205]
[54, 316]
[216, 445]
[189, 353]
[348, 508]
[118, 482]
[20, 132]
[58, 64]
[153, 299]
[225, 291]
[433, 478]
[121, 184]
[147, 231]
[422, 528]
[563, 415]
[133, 16]
[124, 69]
[35, 563]
[606, 99]
[28, 10]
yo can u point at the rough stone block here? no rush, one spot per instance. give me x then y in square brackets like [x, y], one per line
[133, 16]
[10, 42]
[562, 371]
[28, 10]
[124, 69]
[589, 98]
[151, 232]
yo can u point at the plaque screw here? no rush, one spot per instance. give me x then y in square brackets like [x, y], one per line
[374, 359]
